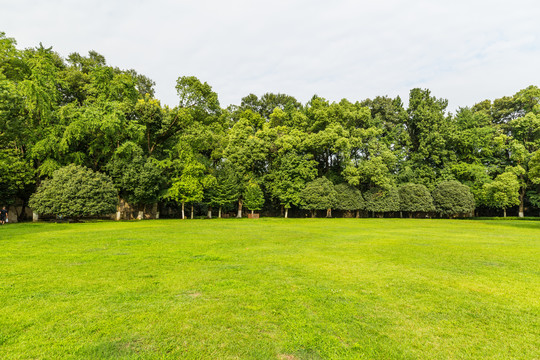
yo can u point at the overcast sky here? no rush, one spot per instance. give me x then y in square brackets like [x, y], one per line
[464, 51]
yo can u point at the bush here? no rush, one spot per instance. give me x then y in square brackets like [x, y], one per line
[380, 201]
[452, 198]
[318, 195]
[349, 198]
[73, 192]
[415, 198]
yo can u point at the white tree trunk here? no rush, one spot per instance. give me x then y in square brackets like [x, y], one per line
[286, 213]
[219, 212]
[183, 217]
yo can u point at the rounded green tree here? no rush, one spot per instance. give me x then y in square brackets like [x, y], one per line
[415, 198]
[452, 198]
[319, 194]
[381, 201]
[349, 198]
[73, 192]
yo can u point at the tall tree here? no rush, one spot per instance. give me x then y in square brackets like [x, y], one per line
[288, 176]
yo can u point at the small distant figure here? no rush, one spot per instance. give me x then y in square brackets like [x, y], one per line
[3, 215]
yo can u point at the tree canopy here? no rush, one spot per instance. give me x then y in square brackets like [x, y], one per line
[56, 111]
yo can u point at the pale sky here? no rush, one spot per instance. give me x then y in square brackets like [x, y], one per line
[464, 51]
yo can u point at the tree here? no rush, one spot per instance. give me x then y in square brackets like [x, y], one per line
[189, 187]
[534, 167]
[349, 198]
[226, 190]
[247, 152]
[268, 103]
[503, 192]
[429, 132]
[415, 198]
[319, 195]
[288, 177]
[452, 198]
[75, 191]
[518, 118]
[253, 197]
[17, 177]
[139, 180]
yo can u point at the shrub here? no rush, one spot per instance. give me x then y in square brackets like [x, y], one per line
[73, 192]
[348, 198]
[381, 201]
[415, 198]
[452, 198]
[318, 194]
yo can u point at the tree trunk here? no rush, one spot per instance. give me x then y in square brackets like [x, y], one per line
[357, 214]
[240, 203]
[401, 214]
[328, 213]
[219, 212]
[252, 212]
[286, 213]
[504, 212]
[22, 215]
[410, 215]
[313, 213]
[209, 212]
[282, 211]
[183, 217]
[521, 201]
[191, 212]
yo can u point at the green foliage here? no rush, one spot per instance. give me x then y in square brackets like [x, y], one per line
[17, 176]
[382, 201]
[289, 176]
[75, 191]
[139, 180]
[534, 167]
[415, 198]
[189, 187]
[452, 198]
[319, 194]
[196, 96]
[503, 192]
[80, 110]
[226, 190]
[348, 197]
[253, 196]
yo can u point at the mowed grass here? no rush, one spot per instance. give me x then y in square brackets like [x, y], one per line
[271, 289]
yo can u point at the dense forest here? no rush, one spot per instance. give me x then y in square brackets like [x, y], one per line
[271, 153]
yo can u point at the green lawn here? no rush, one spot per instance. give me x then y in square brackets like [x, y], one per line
[271, 289]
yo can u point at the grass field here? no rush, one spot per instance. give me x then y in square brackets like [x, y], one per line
[271, 289]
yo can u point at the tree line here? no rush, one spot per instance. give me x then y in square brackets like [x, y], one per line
[273, 152]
